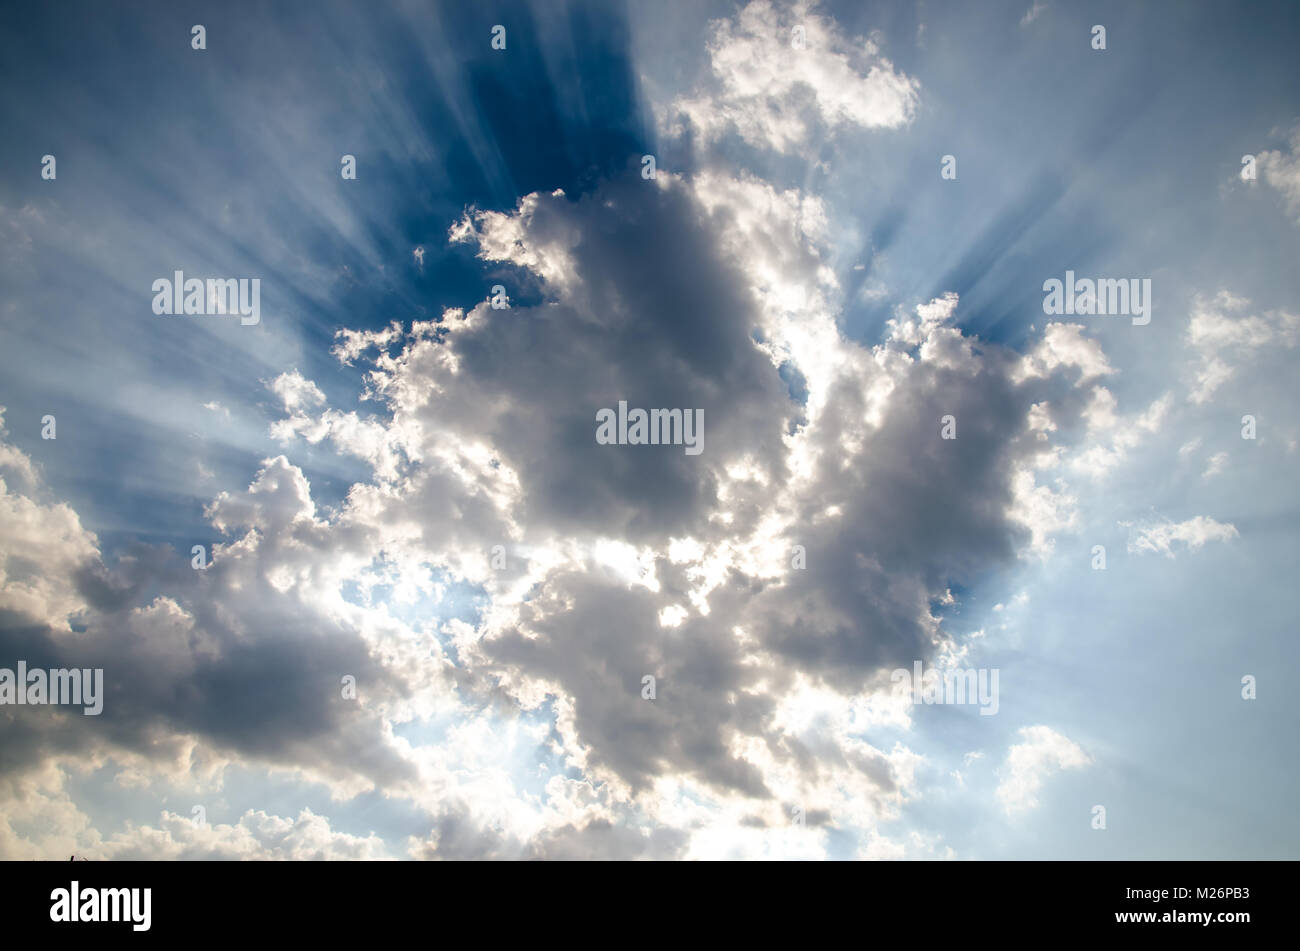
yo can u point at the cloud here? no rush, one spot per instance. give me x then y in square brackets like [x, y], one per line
[1042, 752]
[713, 290]
[500, 584]
[244, 657]
[1033, 13]
[295, 391]
[1281, 170]
[1064, 345]
[257, 836]
[42, 545]
[1222, 335]
[1193, 534]
[495, 411]
[1112, 436]
[777, 96]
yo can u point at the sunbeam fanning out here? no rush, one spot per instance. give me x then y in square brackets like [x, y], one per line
[648, 431]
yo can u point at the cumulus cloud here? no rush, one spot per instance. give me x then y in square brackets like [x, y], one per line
[709, 291]
[1064, 345]
[263, 623]
[603, 544]
[1029, 763]
[584, 568]
[781, 75]
[44, 545]
[295, 391]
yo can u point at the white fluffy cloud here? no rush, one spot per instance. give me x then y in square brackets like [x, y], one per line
[775, 92]
[44, 544]
[1041, 752]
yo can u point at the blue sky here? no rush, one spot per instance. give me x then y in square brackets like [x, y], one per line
[799, 268]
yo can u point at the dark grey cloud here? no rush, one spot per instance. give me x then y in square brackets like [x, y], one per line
[638, 303]
[218, 654]
[649, 313]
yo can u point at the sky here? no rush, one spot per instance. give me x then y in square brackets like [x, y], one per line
[364, 578]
